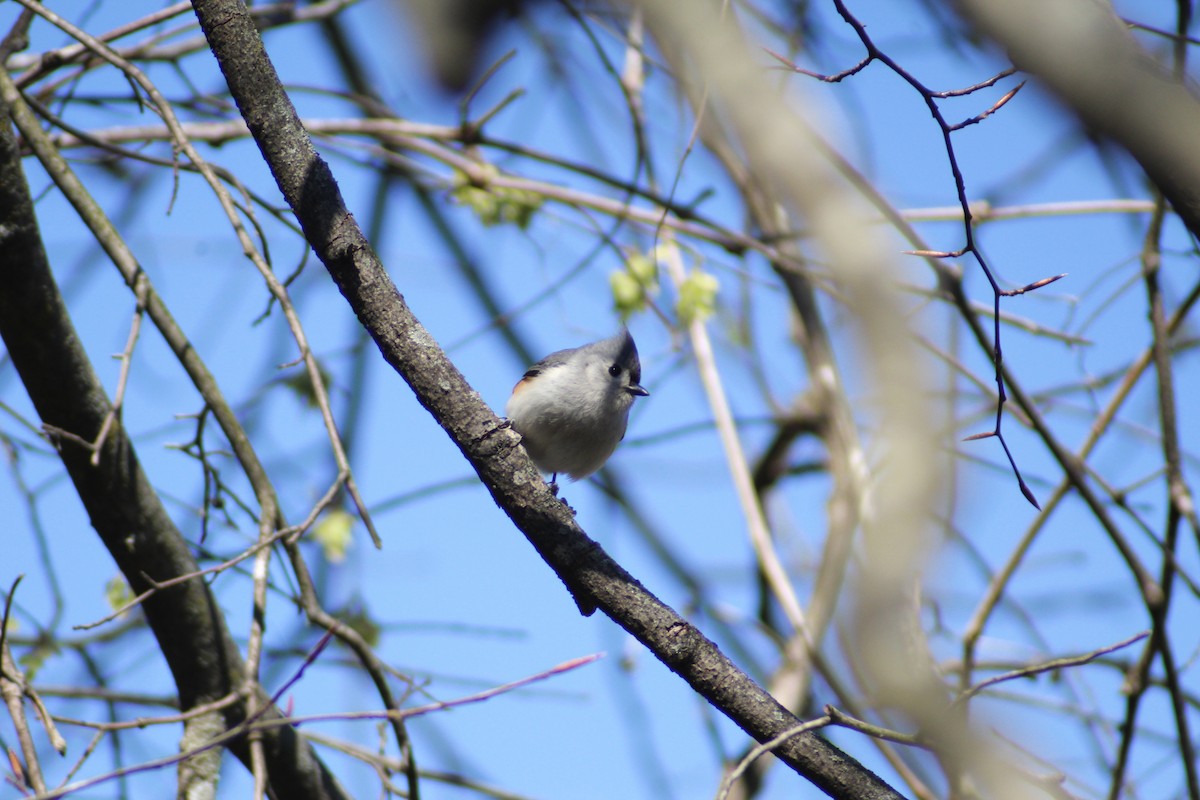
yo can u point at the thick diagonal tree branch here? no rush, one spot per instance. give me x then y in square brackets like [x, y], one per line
[596, 580]
[121, 504]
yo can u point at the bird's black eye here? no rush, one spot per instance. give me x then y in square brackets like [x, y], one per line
[614, 370]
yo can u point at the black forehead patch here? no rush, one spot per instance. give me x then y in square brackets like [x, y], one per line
[627, 356]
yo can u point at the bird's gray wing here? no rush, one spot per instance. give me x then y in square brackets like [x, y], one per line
[555, 359]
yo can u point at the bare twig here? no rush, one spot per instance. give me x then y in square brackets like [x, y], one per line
[1052, 665]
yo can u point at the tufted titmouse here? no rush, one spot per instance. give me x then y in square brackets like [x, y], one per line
[571, 407]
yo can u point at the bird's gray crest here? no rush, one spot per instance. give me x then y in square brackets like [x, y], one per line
[625, 353]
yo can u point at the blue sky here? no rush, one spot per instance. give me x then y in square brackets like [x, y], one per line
[464, 602]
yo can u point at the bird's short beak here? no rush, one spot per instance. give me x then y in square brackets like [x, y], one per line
[634, 389]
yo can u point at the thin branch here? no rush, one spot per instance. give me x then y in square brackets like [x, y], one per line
[759, 750]
[1053, 665]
